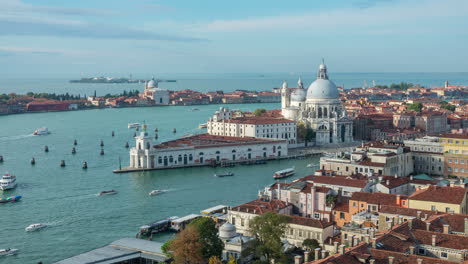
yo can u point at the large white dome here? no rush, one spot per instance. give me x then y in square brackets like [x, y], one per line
[322, 89]
[227, 231]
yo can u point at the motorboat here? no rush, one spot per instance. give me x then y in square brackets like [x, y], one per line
[8, 251]
[311, 165]
[156, 192]
[284, 173]
[201, 126]
[7, 182]
[134, 125]
[35, 227]
[224, 174]
[107, 192]
[41, 131]
[194, 109]
[10, 199]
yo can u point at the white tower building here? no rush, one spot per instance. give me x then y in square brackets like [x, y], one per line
[141, 155]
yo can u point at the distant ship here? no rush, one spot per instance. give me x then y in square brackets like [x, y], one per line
[112, 80]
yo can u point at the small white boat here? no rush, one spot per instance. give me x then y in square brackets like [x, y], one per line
[134, 125]
[284, 173]
[7, 182]
[311, 165]
[35, 227]
[224, 174]
[155, 192]
[8, 251]
[41, 131]
[201, 126]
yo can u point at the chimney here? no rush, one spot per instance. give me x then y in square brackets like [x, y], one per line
[428, 226]
[371, 261]
[418, 213]
[411, 177]
[398, 200]
[390, 259]
[434, 238]
[297, 259]
[446, 228]
[396, 176]
[411, 250]
[342, 249]
[419, 261]
[374, 242]
[335, 246]
[317, 253]
[306, 256]
[387, 182]
[324, 253]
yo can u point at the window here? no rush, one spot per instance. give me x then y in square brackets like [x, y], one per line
[316, 215]
[433, 207]
[354, 204]
[342, 215]
[422, 251]
[449, 160]
[443, 255]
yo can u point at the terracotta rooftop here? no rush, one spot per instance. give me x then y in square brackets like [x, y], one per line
[451, 195]
[381, 257]
[336, 180]
[208, 141]
[396, 210]
[377, 198]
[442, 240]
[455, 221]
[460, 136]
[258, 120]
[306, 221]
[260, 207]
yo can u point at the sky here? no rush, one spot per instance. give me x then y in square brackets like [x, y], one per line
[65, 38]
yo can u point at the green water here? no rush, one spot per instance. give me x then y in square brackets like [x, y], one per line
[65, 198]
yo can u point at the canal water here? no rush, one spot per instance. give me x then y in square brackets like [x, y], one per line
[65, 198]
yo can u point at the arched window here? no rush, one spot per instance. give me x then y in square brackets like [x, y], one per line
[233, 151]
[274, 149]
[148, 145]
[201, 153]
[264, 148]
[159, 160]
[190, 157]
[180, 158]
[325, 112]
[217, 152]
[249, 149]
[139, 145]
[171, 159]
[279, 147]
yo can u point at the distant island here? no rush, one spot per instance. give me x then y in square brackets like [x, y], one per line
[112, 80]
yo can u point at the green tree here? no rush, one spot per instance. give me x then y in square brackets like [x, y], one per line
[165, 248]
[259, 112]
[310, 244]
[212, 245]
[268, 229]
[305, 133]
[417, 107]
[445, 105]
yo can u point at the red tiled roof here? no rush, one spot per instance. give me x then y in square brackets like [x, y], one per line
[260, 207]
[455, 221]
[451, 195]
[376, 198]
[442, 240]
[306, 221]
[258, 120]
[381, 257]
[396, 210]
[336, 180]
[461, 136]
[208, 141]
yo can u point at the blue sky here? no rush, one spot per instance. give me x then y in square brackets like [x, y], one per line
[65, 38]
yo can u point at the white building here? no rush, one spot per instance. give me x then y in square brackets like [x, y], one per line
[235, 245]
[428, 155]
[320, 108]
[154, 93]
[202, 150]
[224, 124]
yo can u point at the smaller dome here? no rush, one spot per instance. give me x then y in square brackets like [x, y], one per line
[227, 231]
[322, 67]
[152, 84]
[285, 85]
[299, 95]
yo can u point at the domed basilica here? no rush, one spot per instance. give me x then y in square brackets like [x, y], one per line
[319, 107]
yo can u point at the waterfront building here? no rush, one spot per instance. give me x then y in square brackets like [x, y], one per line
[122, 251]
[428, 155]
[157, 95]
[298, 228]
[443, 199]
[375, 157]
[320, 108]
[223, 123]
[431, 122]
[202, 150]
[455, 147]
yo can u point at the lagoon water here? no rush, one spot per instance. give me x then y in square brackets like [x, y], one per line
[65, 198]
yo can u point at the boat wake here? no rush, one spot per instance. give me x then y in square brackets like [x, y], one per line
[17, 137]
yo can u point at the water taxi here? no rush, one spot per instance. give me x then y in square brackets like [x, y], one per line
[8, 252]
[10, 199]
[7, 182]
[41, 131]
[107, 192]
[155, 192]
[201, 126]
[224, 174]
[134, 125]
[35, 227]
[284, 173]
[194, 109]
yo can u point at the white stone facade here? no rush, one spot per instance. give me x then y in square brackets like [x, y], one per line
[320, 108]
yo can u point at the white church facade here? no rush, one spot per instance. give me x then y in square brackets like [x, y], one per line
[318, 107]
[157, 95]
